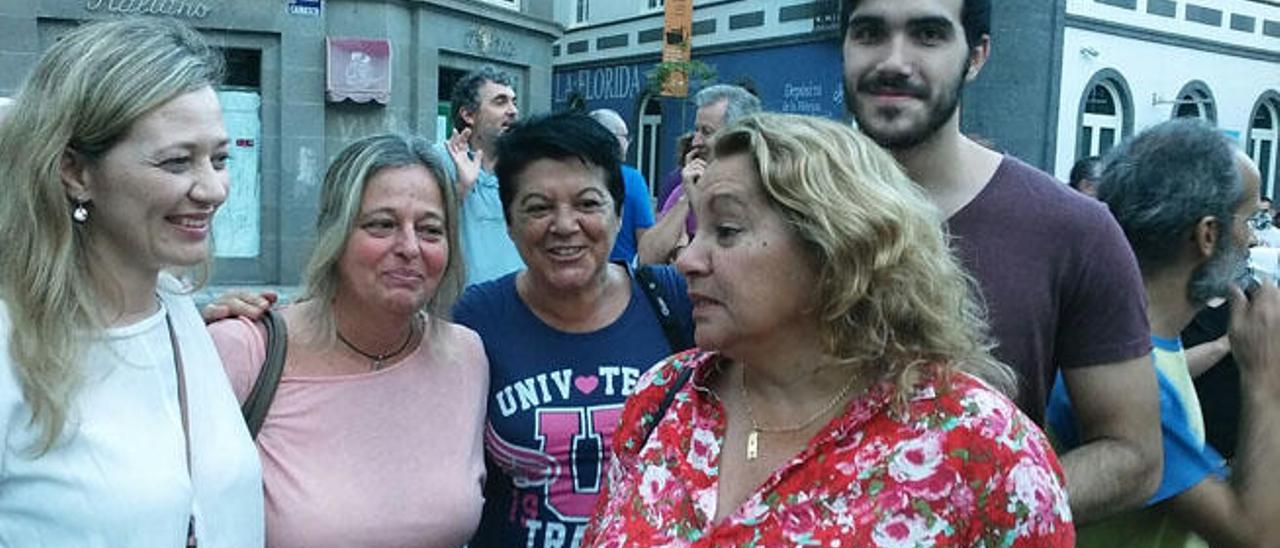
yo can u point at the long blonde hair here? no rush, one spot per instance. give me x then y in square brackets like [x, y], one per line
[891, 293]
[340, 201]
[84, 94]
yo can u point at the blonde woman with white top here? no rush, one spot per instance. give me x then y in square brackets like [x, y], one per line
[117, 425]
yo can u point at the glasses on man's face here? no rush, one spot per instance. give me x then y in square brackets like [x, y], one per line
[1260, 220]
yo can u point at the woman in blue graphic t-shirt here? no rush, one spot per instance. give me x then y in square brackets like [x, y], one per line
[566, 337]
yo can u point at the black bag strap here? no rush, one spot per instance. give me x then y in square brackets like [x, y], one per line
[670, 396]
[677, 338]
[255, 407]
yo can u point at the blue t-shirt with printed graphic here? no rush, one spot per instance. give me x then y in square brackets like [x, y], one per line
[1188, 460]
[554, 402]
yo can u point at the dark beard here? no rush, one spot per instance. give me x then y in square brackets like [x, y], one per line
[938, 116]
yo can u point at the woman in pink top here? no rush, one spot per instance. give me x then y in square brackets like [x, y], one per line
[373, 437]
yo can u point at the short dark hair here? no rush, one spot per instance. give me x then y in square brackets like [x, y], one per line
[1163, 181]
[466, 93]
[975, 17]
[1088, 168]
[559, 136]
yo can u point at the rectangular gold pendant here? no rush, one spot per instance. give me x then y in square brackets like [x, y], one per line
[753, 445]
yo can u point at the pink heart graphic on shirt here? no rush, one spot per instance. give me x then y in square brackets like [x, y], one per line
[586, 385]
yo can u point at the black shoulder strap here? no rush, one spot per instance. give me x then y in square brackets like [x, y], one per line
[676, 337]
[255, 407]
[670, 396]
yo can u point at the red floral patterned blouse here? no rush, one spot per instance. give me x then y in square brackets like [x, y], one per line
[963, 467]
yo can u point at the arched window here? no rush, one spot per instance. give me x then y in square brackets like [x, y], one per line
[1264, 134]
[1103, 122]
[1195, 101]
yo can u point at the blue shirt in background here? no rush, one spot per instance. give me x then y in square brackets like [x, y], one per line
[1188, 460]
[487, 250]
[637, 213]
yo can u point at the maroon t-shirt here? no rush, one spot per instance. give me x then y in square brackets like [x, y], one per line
[1061, 284]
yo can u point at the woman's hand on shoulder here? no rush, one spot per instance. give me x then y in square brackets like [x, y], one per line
[238, 302]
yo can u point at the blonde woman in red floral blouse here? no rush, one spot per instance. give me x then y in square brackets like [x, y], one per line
[843, 393]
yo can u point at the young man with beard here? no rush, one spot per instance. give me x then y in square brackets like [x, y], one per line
[1062, 288]
[484, 106]
[1183, 198]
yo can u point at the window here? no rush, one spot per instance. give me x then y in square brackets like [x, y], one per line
[1195, 101]
[583, 11]
[655, 4]
[1103, 121]
[1264, 134]
[510, 4]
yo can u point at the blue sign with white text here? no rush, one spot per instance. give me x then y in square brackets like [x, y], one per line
[803, 78]
[305, 7]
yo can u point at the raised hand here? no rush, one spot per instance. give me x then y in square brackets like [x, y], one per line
[691, 174]
[1255, 336]
[468, 164]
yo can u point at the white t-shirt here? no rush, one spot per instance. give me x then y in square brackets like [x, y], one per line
[118, 477]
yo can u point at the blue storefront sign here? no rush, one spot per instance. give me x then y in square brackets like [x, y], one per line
[800, 78]
[306, 7]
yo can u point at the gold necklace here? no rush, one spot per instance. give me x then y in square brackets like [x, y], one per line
[753, 438]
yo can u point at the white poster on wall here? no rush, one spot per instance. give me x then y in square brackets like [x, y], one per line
[237, 226]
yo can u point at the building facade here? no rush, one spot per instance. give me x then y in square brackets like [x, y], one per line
[1066, 78]
[306, 78]
[784, 51]
[1129, 64]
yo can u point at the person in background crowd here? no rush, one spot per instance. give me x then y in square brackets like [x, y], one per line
[863, 412]
[119, 427]
[1216, 375]
[1183, 197]
[718, 105]
[1084, 176]
[1062, 287]
[373, 437]
[567, 336]
[1263, 223]
[637, 210]
[672, 178]
[1209, 358]
[484, 106]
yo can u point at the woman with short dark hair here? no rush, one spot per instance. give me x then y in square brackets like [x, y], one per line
[567, 336]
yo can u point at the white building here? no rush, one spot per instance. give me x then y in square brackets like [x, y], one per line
[1130, 64]
[1067, 78]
